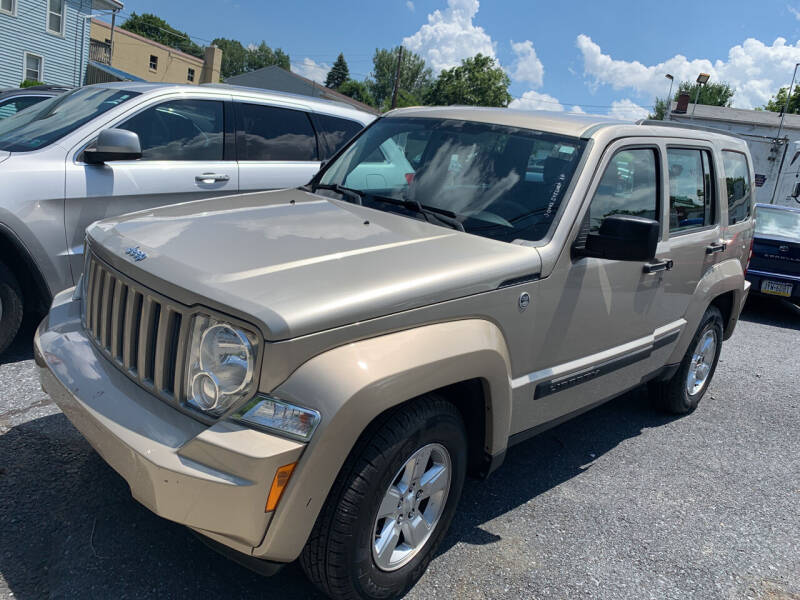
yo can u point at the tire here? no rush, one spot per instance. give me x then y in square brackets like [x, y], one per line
[341, 556]
[674, 395]
[10, 307]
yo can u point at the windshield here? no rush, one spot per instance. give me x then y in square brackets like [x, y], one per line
[777, 222]
[54, 118]
[501, 182]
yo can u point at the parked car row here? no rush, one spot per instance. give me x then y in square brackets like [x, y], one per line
[311, 373]
[108, 149]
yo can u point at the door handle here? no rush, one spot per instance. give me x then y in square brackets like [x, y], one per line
[211, 178]
[716, 247]
[658, 266]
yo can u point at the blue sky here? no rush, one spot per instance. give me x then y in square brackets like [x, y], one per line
[599, 57]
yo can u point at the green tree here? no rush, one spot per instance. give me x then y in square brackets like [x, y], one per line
[158, 30]
[659, 109]
[479, 81]
[778, 101]
[415, 76]
[262, 56]
[30, 83]
[712, 94]
[357, 90]
[236, 59]
[338, 74]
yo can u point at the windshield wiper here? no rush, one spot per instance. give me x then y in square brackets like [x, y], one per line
[444, 217]
[354, 195]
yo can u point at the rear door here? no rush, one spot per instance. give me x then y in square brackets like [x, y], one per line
[184, 157]
[738, 191]
[693, 214]
[276, 146]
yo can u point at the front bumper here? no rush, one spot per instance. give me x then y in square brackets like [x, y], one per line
[213, 479]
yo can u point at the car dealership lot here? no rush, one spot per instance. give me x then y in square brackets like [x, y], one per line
[622, 502]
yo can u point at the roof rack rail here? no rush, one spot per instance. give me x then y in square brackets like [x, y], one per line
[679, 125]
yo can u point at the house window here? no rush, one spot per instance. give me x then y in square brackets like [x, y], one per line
[55, 16]
[33, 68]
[190, 75]
[8, 6]
[153, 62]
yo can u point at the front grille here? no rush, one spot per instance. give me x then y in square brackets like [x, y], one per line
[143, 333]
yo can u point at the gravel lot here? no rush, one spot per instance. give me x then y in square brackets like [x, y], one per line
[622, 502]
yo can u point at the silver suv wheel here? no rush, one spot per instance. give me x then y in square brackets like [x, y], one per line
[702, 362]
[411, 507]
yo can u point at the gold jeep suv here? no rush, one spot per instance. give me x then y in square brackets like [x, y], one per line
[311, 373]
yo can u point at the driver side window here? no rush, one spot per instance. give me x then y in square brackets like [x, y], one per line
[180, 130]
[629, 187]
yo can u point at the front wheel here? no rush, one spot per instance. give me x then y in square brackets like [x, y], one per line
[391, 504]
[681, 394]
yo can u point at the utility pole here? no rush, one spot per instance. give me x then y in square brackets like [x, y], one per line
[111, 40]
[786, 106]
[397, 77]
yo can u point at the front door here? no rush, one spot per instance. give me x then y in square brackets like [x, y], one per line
[183, 159]
[597, 323]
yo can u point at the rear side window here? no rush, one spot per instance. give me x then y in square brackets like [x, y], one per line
[737, 179]
[272, 133]
[334, 132]
[180, 130]
[691, 192]
[629, 187]
[13, 105]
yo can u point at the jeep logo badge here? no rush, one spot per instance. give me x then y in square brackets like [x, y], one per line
[783, 248]
[524, 300]
[135, 254]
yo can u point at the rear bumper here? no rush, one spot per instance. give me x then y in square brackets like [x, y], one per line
[755, 277]
[213, 479]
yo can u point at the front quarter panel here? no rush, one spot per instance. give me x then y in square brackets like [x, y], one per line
[353, 384]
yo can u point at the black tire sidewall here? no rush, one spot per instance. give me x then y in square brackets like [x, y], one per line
[11, 317]
[712, 319]
[445, 429]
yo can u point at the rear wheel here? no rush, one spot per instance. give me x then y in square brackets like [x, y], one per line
[10, 307]
[391, 504]
[681, 394]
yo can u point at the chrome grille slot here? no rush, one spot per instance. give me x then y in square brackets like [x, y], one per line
[142, 333]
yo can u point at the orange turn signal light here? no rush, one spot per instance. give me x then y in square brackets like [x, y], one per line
[278, 485]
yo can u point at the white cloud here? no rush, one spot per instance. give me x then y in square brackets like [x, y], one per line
[794, 11]
[532, 100]
[312, 69]
[450, 36]
[627, 110]
[527, 66]
[577, 110]
[410, 5]
[752, 68]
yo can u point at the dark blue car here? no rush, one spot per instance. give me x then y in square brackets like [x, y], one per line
[775, 264]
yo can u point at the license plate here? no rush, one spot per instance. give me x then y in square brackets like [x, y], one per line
[776, 288]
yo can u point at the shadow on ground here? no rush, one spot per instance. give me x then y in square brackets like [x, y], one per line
[22, 346]
[775, 312]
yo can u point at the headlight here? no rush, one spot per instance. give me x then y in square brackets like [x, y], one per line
[221, 364]
[267, 412]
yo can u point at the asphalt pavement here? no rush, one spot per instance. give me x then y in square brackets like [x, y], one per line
[622, 502]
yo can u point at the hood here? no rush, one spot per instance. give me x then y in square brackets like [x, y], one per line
[4, 154]
[298, 263]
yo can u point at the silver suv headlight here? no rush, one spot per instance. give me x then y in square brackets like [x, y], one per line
[221, 365]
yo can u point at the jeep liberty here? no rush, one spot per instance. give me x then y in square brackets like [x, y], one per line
[312, 373]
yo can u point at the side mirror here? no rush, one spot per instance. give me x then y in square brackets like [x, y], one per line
[114, 144]
[625, 237]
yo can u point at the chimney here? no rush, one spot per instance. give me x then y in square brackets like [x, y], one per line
[683, 104]
[212, 63]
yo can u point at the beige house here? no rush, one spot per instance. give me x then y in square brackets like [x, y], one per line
[137, 56]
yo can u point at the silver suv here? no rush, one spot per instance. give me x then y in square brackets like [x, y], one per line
[108, 149]
[312, 373]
